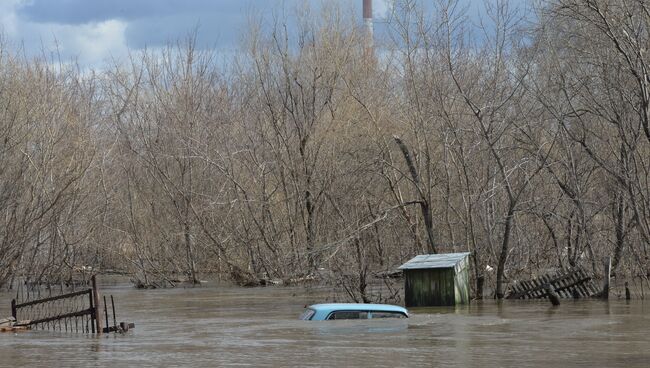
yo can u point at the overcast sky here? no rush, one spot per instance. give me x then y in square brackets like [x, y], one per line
[95, 30]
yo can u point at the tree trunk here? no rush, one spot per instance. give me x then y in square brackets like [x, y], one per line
[425, 205]
[191, 262]
[503, 256]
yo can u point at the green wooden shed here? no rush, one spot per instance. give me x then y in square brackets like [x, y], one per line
[436, 280]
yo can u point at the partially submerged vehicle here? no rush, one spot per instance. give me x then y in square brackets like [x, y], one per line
[334, 311]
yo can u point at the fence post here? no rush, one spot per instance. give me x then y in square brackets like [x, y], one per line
[98, 319]
[13, 309]
[608, 275]
[114, 322]
[106, 315]
[92, 311]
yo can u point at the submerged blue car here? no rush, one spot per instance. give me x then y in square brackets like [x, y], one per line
[322, 312]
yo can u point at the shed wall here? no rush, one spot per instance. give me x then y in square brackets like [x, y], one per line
[430, 287]
[461, 285]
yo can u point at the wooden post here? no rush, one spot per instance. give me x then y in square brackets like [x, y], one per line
[608, 274]
[98, 319]
[114, 321]
[552, 295]
[106, 314]
[13, 309]
[93, 313]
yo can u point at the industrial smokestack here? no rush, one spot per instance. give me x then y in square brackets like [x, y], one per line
[367, 9]
[367, 20]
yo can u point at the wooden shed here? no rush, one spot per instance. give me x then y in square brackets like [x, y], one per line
[436, 280]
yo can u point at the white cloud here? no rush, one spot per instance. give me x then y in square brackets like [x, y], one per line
[89, 43]
[8, 18]
[93, 43]
[381, 8]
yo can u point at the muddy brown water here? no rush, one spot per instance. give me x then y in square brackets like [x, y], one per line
[214, 326]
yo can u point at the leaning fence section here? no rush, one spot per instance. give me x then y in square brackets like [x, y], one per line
[72, 312]
[575, 283]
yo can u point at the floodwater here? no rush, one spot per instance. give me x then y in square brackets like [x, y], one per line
[214, 326]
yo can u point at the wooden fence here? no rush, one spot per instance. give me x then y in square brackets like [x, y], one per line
[575, 283]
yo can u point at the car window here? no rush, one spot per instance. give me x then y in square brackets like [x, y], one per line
[348, 315]
[307, 314]
[387, 315]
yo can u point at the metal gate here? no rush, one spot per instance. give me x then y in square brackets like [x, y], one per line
[72, 312]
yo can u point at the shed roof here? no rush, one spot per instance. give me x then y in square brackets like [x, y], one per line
[447, 260]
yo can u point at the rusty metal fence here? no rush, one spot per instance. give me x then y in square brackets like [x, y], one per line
[73, 312]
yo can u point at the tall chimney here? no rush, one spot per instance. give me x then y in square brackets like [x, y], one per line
[367, 20]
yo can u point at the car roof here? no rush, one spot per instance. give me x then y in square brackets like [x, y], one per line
[358, 307]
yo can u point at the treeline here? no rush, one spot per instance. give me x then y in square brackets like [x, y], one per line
[523, 139]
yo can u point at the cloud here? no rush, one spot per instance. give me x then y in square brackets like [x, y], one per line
[156, 31]
[95, 30]
[85, 11]
[93, 43]
[8, 18]
[382, 8]
[88, 43]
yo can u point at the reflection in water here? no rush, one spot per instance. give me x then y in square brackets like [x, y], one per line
[212, 326]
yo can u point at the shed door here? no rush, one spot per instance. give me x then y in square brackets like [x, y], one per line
[430, 287]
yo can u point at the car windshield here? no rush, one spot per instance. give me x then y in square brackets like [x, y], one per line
[307, 314]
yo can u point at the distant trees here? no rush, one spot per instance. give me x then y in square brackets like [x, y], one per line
[597, 91]
[525, 143]
[47, 154]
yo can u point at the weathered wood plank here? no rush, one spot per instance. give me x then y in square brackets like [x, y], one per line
[582, 288]
[547, 280]
[571, 284]
[560, 286]
[14, 328]
[534, 288]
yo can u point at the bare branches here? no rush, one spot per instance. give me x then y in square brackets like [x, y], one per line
[523, 140]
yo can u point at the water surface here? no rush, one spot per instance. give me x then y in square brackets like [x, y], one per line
[257, 327]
